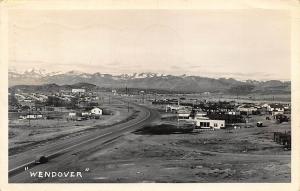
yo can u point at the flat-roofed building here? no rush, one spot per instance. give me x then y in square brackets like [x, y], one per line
[206, 123]
[78, 90]
[183, 114]
[96, 111]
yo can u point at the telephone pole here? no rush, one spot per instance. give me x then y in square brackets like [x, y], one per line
[29, 117]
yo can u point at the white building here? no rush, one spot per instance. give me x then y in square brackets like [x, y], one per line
[206, 123]
[200, 114]
[114, 92]
[78, 90]
[274, 113]
[183, 114]
[265, 105]
[96, 111]
[275, 107]
[72, 114]
[83, 114]
[234, 113]
[175, 108]
[31, 116]
[248, 109]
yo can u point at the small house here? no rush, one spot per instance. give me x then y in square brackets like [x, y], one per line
[78, 91]
[174, 108]
[247, 109]
[96, 111]
[276, 107]
[275, 112]
[233, 113]
[207, 123]
[183, 114]
[85, 114]
[32, 116]
[72, 114]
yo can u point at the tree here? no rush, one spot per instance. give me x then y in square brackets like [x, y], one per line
[55, 101]
[12, 100]
[25, 107]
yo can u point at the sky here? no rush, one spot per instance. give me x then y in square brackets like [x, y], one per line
[241, 44]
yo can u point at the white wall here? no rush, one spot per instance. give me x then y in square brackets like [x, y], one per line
[96, 111]
[216, 124]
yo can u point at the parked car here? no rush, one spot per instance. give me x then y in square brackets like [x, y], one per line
[259, 124]
[40, 159]
[81, 118]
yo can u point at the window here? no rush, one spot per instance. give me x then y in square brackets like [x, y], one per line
[215, 124]
[204, 124]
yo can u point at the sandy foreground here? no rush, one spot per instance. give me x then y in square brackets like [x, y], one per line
[242, 155]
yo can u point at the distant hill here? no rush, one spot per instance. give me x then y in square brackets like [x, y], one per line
[183, 83]
[53, 87]
[81, 85]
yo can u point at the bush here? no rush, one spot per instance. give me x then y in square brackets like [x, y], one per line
[165, 129]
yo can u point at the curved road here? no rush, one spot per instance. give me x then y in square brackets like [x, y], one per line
[78, 144]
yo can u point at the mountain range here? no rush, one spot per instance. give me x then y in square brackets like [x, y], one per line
[181, 83]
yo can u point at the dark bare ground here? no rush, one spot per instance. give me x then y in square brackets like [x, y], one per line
[237, 156]
[33, 144]
[245, 155]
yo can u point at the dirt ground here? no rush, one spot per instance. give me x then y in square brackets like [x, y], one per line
[241, 155]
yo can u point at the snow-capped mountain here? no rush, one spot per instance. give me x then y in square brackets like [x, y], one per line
[31, 73]
[147, 81]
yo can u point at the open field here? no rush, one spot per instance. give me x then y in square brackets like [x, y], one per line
[241, 155]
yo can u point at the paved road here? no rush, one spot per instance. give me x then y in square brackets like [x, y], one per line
[67, 148]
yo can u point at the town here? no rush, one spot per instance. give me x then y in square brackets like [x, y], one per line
[79, 104]
[47, 114]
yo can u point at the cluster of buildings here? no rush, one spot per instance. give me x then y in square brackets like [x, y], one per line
[94, 113]
[216, 115]
[272, 108]
[28, 99]
[74, 104]
[200, 119]
[82, 97]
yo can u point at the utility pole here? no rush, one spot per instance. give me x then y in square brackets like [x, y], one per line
[128, 106]
[29, 117]
[58, 117]
[143, 98]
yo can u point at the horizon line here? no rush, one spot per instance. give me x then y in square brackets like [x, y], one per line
[132, 73]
